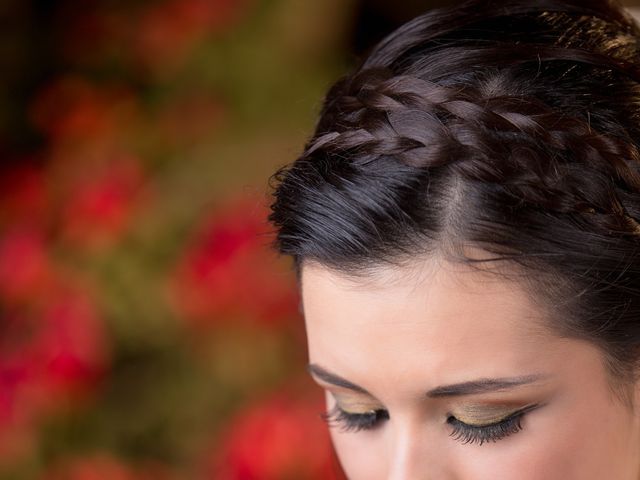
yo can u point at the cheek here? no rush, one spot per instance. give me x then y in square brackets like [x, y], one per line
[361, 458]
[361, 454]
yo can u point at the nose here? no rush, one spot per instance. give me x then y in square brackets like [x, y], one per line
[416, 454]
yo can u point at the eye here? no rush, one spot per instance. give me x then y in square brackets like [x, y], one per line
[354, 422]
[490, 432]
[481, 434]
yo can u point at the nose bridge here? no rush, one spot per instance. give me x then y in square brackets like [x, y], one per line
[402, 455]
[414, 454]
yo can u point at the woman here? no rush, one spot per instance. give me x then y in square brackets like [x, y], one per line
[465, 229]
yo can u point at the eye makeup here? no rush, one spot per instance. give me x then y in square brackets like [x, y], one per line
[354, 414]
[471, 431]
[354, 422]
[472, 424]
[479, 415]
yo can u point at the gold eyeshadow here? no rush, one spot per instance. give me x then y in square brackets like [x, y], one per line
[479, 415]
[355, 406]
[473, 414]
[357, 410]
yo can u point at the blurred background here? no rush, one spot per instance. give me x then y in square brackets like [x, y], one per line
[146, 329]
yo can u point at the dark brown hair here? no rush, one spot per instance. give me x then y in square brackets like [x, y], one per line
[512, 126]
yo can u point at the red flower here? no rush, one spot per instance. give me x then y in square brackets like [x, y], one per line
[229, 270]
[71, 345]
[100, 205]
[53, 351]
[279, 438]
[25, 270]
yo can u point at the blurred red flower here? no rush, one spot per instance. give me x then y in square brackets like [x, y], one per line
[53, 353]
[229, 270]
[101, 201]
[25, 270]
[279, 438]
[71, 346]
[57, 345]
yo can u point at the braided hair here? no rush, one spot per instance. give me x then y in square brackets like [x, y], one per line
[513, 126]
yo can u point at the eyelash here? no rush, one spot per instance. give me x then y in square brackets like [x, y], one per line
[354, 422]
[486, 433]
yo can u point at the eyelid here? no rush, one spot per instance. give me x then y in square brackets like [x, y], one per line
[362, 411]
[479, 416]
[355, 407]
[514, 413]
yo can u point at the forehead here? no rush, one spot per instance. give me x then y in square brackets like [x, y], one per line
[435, 321]
[424, 293]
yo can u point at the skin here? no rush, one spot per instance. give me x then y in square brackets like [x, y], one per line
[404, 331]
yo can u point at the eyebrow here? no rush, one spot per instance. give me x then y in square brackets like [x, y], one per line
[481, 385]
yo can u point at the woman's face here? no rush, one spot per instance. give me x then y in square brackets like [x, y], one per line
[444, 373]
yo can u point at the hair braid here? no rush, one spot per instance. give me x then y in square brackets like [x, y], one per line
[426, 125]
